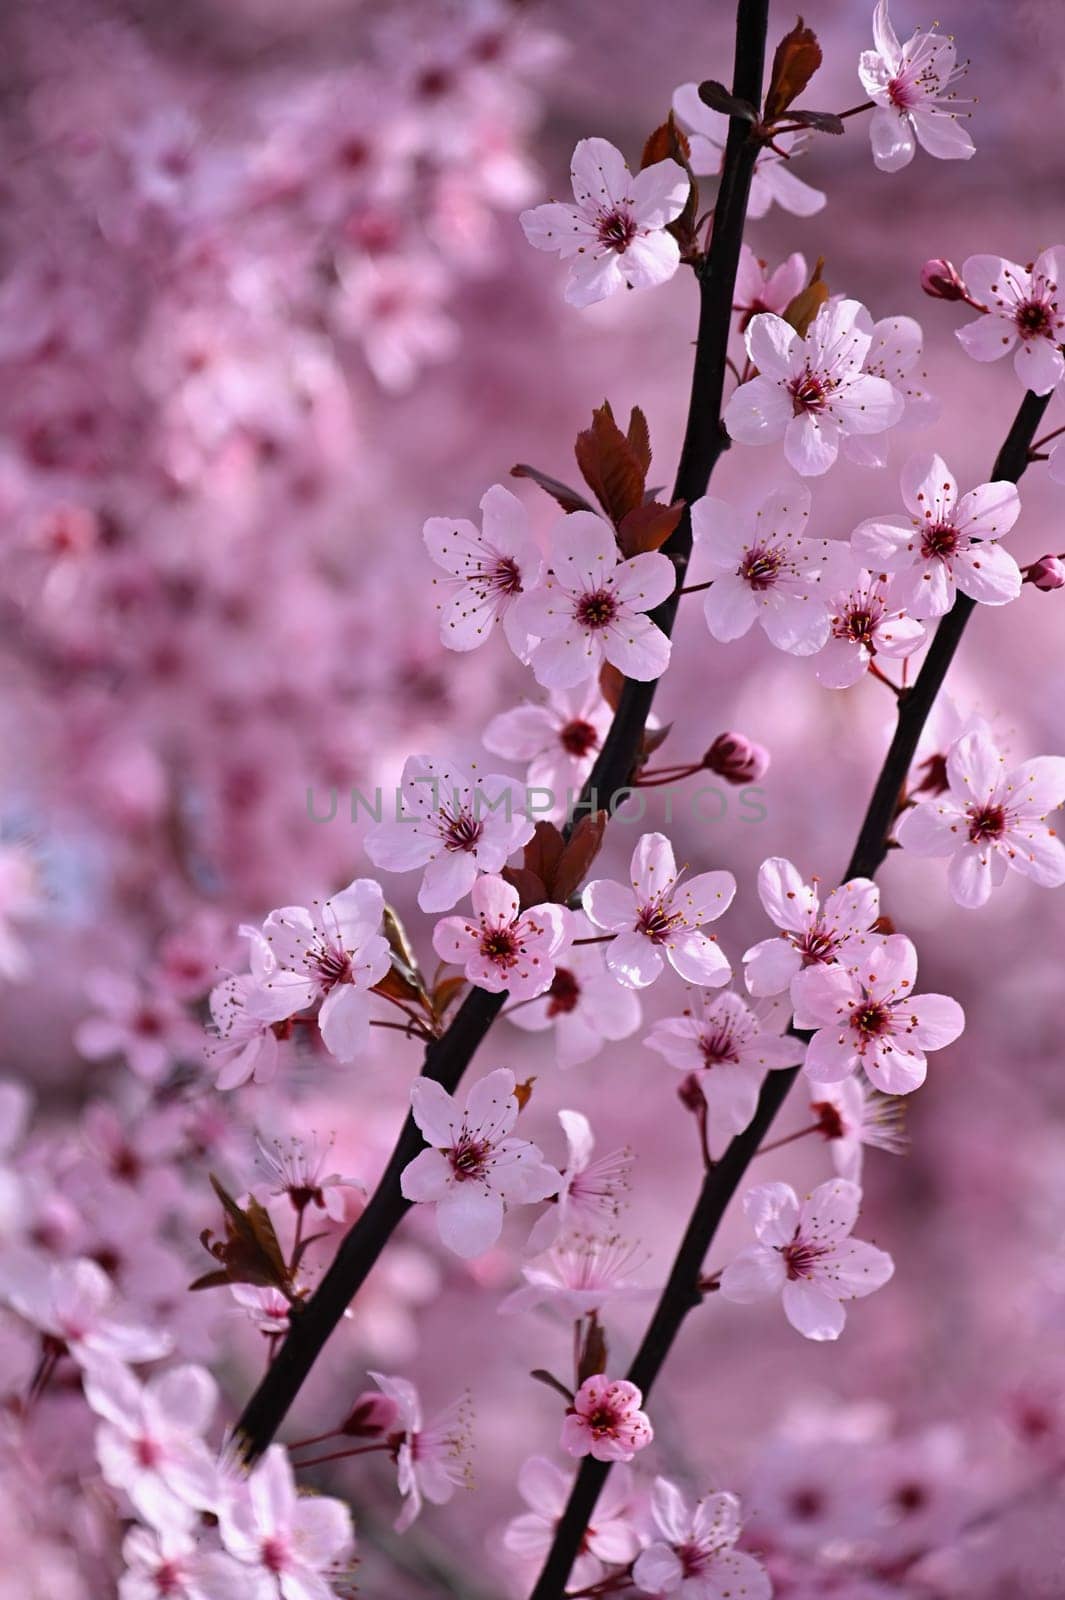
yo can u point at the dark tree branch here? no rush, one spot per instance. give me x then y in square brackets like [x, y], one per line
[682, 1293]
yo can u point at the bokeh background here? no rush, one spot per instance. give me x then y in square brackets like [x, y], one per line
[264, 306]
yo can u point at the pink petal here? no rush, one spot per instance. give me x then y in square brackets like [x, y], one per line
[813, 1312]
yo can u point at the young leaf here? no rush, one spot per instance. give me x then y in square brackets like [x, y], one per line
[797, 58]
[822, 121]
[581, 850]
[610, 466]
[718, 98]
[648, 527]
[667, 143]
[593, 1354]
[569, 499]
[802, 310]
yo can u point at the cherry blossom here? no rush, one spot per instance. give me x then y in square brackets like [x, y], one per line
[143, 1023]
[432, 1461]
[661, 916]
[865, 620]
[610, 1540]
[911, 86]
[757, 289]
[150, 1439]
[474, 1169]
[501, 946]
[453, 824]
[614, 235]
[866, 1015]
[805, 1254]
[724, 1042]
[992, 819]
[586, 1005]
[811, 934]
[853, 1117]
[244, 1010]
[169, 1564]
[578, 1276]
[773, 178]
[590, 1196]
[1024, 313]
[694, 1555]
[559, 740]
[605, 1420]
[332, 951]
[292, 1543]
[737, 759]
[72, 1302]
[592, 607]
[266, 1308]
[811, 391]
[945, 543]
[896, 348]
[488, 569]
[296, 1172]
[765, 570]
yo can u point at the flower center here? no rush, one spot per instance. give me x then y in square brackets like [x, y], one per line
[902, 94]
[809, 392]
[331, 965]
[597, 609]
[1033, 319]
[617, 230]
[656, 923]
[857, 626]
[829, 1121]
[871, 1020]
[718, 1047]
[469, 1157]
[504, 576]
[461, 831]
[578, 737]
[500, 945]
[801, 1257]
[147, 1451]
[815, 947]
[564, 993]
[760, 568]
[603, 1420]
[986, 822]
[168, 1578]
[939, 539]
[274, 1554]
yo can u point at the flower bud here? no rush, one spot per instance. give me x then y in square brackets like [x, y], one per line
[941, 280]
[737, 759]
[373, 1415]
[690, 1094]
[1047, 573]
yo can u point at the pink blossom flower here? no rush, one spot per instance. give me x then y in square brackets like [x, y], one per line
[724, 1042]
[489, 568]
[811, 391]
[811, 934]
[586, 1005]
[773, 178]
[150, 1439]
[910, 84]
[992, 819]
[866, 1015]
[805, 1254]
[474, 1168]
[1048, 573]
[1024, 310]
[694, 1557]
[592, 607]
[894, 353]
[945, 543]
[559, 740]
[605, 1420]
[296, 1172]
[610, 1540]
[72, 1303]
[737, 759]
[658, 916]
[615, 233]
[758, 289]
[244, 1009]
[395, 307]
[865, 620]
[169, 1564]
[334, 952]
[853, 1116]
[501, 946]
[454, 825]
[20, 900]
[292, 1543]
[432, 1461]
[266, 1308]
[146, 1025]
[764, 570]
[578, 1276]
[590, 1196]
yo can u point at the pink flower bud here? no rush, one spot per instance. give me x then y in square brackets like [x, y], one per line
[941, 280]
[736, 759]
[372, 1416]
[691, 1094]
[1047, 573]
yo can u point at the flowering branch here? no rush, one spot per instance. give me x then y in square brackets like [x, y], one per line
[683, 1289]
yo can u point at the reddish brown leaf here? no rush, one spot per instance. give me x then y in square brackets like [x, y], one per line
[581, 850]
[802, 310]
[532, 890]
[667, 143]
[718, 98]
[569, 499]
[250, 1252]
[797, 58]
[648, 527]
[611, 683]
[609, 465]
[448, 990]
[639, 437]
[593, 1353]
[523, 1092]
[822, 121]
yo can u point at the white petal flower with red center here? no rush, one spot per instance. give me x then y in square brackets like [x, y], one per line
[853, 1116]
[590, 1197]
[244, 1009]
[757, 289]
[453, 824]
[579, 1276]
[693, 1555]
[946, 543]
[72, 1302]
[615, 233]
[170, 1564]
[592, 607]
[290, 1544]
[865, 620]
[1025, 313]
[773, 179]
[501, 946]
[992, 819]
[812, 392]
[150, 1439]
[867, 1016]
[296, 1170]
[586, 1005]
[806, 1255]
[812, 934]
[661, 917]
[432, 1459]
[611, 1539]
[559, 740]
[896, 348]
[333, 952]
[605, 1420]
[487, 567]
[764, 570]
[474, 1169]
[724, 1043]
[911, 86]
